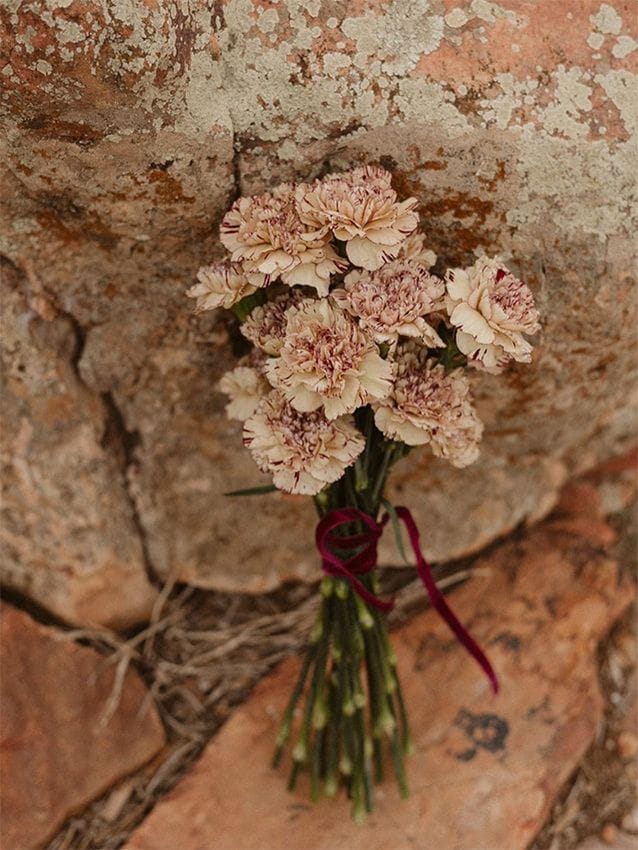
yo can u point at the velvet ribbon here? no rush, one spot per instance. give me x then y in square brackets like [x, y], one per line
[364, 559]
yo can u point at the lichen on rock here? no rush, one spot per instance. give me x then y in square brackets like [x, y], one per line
[127, 131]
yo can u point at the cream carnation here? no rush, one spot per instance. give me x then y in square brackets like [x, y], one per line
[492, 310]
[245, 386]
[303, 451]
[326, 360]
[267, 236]
[220, 285]
[360, 208]
[265, 327]
[393, 301]
[314, 268]
[428, 405]
[413, 248]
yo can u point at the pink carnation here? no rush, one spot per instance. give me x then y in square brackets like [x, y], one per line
[359, 207]
[492, 310]
[429, 405]
[303, 451]
[394, 301]
[265, 234]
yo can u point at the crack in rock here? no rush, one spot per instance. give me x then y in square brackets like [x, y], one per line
[116, 438]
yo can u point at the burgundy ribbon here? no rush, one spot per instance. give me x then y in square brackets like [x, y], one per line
[364, 559]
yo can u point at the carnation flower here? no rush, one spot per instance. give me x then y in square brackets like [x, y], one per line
[492, 310]
[265, 327]
[360, 207]
[314, 268]
[245, 386]
[326, 360]
[428, 405]
[267, 236]
[393, 301]
[413, 248]
[302, 451]
[220, 285]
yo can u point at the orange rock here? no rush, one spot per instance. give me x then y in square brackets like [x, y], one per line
[486, 769]
[627, 744]
[57, 752]
[609, 833]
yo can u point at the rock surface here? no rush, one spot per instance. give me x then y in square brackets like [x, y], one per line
[128, 129]
[68, 531]
[58, 749]
[486, 769]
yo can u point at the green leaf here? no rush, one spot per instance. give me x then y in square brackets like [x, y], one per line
[450, 356]
[396, 527]
[244, 308]
[253, 491]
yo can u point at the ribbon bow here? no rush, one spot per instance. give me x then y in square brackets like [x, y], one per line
[364, 559]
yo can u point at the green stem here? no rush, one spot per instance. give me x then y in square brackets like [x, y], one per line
[301, 750]
[315, 765]
[332, 742]
[377, 490]
[286, 722]
[351, 487]
[399, 768]
[368, 431]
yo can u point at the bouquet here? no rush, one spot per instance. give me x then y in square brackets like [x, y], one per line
[358, 354]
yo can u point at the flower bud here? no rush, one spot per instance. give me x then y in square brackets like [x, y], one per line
[348, 708]
[320, 714]
[300, 751]
[360, 699]
[326, 587]
[284, 732]
[367, 748]
[330, 787]
[359, 646]
[365, 617]
[345, 766]
[341, 589]
[386, 722]
[317, 632]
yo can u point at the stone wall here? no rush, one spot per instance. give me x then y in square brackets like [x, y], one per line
[129, 127]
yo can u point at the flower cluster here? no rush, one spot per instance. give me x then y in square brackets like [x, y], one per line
[333, 282]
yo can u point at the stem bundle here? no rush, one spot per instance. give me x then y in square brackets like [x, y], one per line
[350, 721]
[354, 714]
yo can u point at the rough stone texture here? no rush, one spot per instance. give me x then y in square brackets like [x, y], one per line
[58, 748]
[68, 533]
[486, 770]
[128, 129]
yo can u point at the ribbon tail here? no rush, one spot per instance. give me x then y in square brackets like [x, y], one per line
[359, 587]
[438, 601]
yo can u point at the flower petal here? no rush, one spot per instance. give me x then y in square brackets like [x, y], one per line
[472, 322]
[362, 252]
